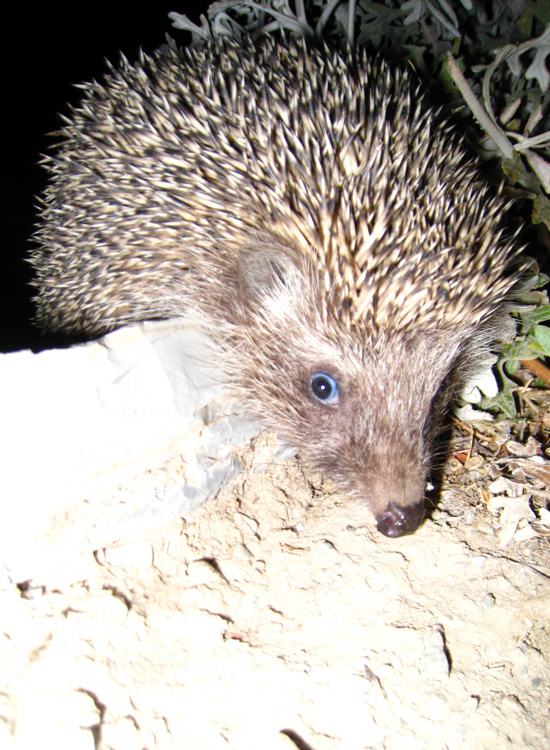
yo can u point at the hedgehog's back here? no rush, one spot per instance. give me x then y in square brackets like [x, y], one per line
[174, 165]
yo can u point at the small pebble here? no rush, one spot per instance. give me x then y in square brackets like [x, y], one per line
[488, 602]
[434, 661]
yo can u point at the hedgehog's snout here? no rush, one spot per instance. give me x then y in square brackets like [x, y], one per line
[399, 520]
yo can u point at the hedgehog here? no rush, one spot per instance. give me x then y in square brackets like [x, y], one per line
[309, 211]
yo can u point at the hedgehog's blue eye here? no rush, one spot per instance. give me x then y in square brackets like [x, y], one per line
[324, 388]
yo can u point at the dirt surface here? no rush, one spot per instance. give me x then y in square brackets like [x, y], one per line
[276, 617]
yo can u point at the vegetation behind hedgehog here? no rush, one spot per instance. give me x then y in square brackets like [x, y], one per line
[314, 216]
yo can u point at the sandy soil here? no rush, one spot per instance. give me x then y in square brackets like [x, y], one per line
[276, 617]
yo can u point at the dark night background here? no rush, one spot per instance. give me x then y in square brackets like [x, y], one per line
[45, 51]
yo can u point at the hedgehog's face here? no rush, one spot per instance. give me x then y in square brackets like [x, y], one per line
[378, 423]
[362, 408]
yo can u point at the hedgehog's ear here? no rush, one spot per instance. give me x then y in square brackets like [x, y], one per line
[265, 269]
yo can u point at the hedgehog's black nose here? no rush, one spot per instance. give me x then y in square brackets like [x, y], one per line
[398, 520]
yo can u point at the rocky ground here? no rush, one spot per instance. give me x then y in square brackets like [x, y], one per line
[276, 617]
